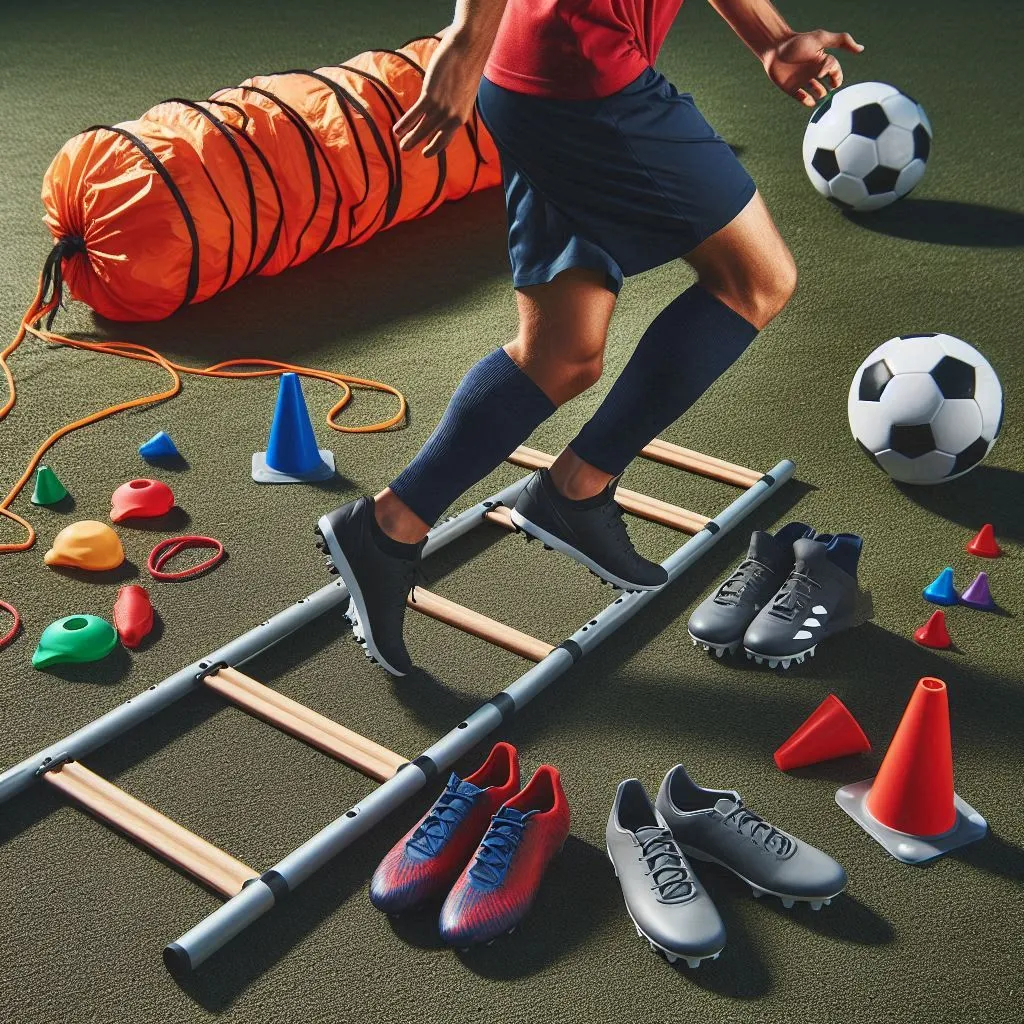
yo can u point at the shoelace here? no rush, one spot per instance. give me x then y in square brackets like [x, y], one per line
[794, 595]
[760, 831]
[671, 880]
[437, 826]
[411, 578]
[730, 592]
[613, 520]
[496, 849]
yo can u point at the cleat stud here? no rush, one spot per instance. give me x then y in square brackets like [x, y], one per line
[694, 642]
[828, 902]
[652, 945]
[717, 955]
[705, 647]
[812, 650]
[787, 903]
[816, 904]
[719, 651]
[785, 662]
[758, 893]
[670, 957]
[759, 661]
[640, 933]
[773, 662]
[693, 962]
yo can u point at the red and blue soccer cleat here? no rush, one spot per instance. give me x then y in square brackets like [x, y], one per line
[498, 886]
[427, 860]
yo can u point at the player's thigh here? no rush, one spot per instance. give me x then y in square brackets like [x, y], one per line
[566, 318]
[747, 255]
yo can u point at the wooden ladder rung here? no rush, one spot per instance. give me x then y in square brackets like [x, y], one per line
[696, 462]
[641, 505]
[502, 515]
[474, 623]
[308, 725]
[173, 842]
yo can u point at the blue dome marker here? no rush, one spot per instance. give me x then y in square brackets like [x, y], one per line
[292, 456]
[159, 446]
[941, 589]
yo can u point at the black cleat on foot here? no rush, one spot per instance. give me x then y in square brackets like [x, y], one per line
[379, 573]
[591, 531]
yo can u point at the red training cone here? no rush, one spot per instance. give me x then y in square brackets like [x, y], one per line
[984, 544]
[133, 615]
[913, 790]
[934, 633]
[829, 731]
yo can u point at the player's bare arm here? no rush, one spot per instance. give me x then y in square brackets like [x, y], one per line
[452, 79]
[797, 62]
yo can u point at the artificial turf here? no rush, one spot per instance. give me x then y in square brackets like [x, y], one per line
[85, 913]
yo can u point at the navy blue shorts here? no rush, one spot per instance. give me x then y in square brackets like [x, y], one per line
[620, 184]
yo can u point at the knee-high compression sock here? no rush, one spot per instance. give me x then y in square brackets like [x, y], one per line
[691, 343]
[495, 408]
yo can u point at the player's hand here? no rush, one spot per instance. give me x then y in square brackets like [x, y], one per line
[800, 65]
[446, 101]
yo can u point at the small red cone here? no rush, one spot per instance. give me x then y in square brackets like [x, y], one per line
[913, 790]
[934, 633]
[829, 731]
[984, 544]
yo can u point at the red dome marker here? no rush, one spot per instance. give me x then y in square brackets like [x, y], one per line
[829, 731]
[984, 544]
[133, 615]
[141, 499]
[934, 633]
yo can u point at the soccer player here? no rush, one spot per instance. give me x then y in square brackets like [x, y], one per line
[608, 172]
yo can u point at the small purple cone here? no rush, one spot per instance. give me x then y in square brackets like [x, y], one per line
[941, 589]
[978, 595]
[292, 447]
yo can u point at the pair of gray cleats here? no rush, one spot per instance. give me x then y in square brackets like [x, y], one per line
[651, 848]
[793, 590]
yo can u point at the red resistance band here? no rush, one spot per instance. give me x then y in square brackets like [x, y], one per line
[167, 549]
[13, 631]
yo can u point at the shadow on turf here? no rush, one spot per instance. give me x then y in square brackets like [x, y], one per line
[946, 222]
[397, 274]
[988, 494]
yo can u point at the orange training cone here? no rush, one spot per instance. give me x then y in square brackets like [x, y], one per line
[984, 543]
[829, 731]
[910, 806]
[934, 633]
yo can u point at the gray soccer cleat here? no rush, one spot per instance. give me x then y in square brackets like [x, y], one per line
[715, 825]
[668, 906]
[818, 600]
[721, 619]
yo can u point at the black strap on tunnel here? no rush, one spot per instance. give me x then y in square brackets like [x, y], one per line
[254, 221]
[311, 146]
[192, 285]
[52, 285]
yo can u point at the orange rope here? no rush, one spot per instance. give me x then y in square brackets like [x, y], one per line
[130, 350]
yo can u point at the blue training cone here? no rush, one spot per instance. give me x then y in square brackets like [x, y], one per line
[292, 456]
[159, 446]
[941, 589]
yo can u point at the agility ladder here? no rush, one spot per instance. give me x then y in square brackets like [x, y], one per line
[250, 894]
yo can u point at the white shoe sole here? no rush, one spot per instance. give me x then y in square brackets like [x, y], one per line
[532, 530]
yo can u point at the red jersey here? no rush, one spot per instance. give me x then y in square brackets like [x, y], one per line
[578, 49]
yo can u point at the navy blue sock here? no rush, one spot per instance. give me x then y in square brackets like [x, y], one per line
[690, 344]
[493, 411]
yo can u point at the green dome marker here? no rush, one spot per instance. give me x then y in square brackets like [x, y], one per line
[48, 489]
[76, 638]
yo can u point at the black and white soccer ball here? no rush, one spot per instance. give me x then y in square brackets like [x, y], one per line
[925, 407]
[866, 146]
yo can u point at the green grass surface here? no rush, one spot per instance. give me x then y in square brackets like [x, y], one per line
[86, 913]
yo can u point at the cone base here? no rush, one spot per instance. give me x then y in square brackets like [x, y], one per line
[969, 826]
[263, 474]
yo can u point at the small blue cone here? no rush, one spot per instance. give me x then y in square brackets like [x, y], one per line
[941, 589]
[292, 456]
[159, 446]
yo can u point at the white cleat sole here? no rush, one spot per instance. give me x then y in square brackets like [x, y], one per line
[719, 649]
[760, 659]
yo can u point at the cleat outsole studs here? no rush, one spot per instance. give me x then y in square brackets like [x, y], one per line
[670, 957]
[693, 962]
[787, 903]
[828, 902]
[816, 904]
[758, 893]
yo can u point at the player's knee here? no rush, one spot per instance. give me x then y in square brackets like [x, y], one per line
[760, 294]
[577, 376]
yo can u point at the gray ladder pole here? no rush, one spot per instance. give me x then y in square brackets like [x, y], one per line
[234, 916]
[137, 709]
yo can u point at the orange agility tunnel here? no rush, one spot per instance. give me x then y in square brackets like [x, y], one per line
[154, 214]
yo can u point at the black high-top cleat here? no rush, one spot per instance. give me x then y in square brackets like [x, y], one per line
[591, 531]
[720, 620]
[379, 573]
[818, 600]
